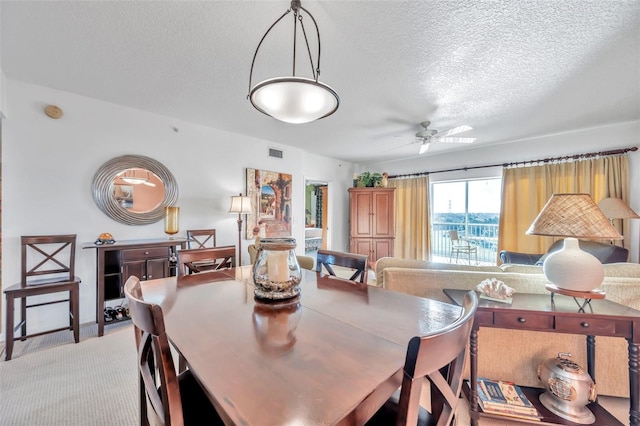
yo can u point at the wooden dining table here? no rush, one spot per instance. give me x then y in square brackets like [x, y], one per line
[333, 355]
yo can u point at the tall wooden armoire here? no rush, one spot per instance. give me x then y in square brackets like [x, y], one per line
[372, 222]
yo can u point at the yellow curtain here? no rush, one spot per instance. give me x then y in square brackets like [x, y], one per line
[412, 218]
[525, 190]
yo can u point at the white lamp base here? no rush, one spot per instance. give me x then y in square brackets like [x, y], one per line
[571, 268]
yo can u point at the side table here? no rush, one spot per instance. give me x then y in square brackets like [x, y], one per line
[538, 312]
[115, 263]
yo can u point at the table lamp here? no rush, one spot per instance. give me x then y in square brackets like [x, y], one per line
[573, 216]
[241, 205]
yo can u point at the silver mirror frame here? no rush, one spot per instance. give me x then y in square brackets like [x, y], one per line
[102, 187]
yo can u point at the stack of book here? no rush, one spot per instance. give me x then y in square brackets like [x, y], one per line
[505, 399]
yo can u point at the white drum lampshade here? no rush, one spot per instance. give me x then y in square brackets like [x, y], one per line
[573, 216]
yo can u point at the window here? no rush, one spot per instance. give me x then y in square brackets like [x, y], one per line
[471, 207]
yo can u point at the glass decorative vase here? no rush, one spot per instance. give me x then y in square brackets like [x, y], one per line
[171, 217]
[276, 272]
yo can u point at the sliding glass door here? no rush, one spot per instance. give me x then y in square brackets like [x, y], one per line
[470, 207]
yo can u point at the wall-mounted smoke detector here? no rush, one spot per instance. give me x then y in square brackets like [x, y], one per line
[53, 111]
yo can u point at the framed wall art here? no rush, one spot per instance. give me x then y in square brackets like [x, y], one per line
[270, 194]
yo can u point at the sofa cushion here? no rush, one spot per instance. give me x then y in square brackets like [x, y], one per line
[622, 269]
[521, 269]
[396, 262]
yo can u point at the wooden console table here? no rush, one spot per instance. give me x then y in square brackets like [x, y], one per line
[538, 312]
[115, 263]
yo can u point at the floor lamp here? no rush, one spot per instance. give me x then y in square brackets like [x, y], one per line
[615, 208]
[240, 205]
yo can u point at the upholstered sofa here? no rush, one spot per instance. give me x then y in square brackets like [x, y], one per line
[605, 253]
[511, 354]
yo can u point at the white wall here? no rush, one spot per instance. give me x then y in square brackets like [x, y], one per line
[48, 166]
[598, 139]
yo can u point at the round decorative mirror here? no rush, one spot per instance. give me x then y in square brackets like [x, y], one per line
[134, 190]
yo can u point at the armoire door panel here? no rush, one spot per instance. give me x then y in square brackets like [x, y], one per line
[383, 215]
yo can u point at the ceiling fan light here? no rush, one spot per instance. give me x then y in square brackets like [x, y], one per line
[424, 147]
[294, 99]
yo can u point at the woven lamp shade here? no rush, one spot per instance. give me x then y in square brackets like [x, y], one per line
[615, 208]
[573, 215]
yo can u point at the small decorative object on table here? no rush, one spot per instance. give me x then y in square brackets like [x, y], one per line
[104, 238]
[496, 290]
[568, 389]
[171, 215]
[276, 273]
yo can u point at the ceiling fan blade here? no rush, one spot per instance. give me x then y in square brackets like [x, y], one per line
[424, 147]
[454, 131]
[456, 140]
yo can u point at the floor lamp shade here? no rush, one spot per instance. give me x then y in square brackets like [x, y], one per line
[573, 216]
[241, 205]
[615, 208]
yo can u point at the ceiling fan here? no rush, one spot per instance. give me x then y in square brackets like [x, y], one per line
[426, 136]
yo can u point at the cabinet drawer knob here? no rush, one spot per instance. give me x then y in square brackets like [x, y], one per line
[522, 320]
[584, 324]
[146, 252]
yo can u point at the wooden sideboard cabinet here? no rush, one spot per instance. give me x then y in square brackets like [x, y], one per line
[372, 222]
[115, 263]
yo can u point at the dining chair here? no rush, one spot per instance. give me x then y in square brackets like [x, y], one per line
[436, 360]
[356, 262]
[165, 397]
[193, 261]
[47, 267]
[201, 238]
[462, 245]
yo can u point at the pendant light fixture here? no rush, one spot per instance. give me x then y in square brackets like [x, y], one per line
[294, 99]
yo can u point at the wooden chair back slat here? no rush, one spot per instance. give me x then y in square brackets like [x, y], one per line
[201, 238]
[206, 259]
[358, 262]
[52, 255]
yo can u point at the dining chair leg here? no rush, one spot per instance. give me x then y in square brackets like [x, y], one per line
[23, 317]
[144, 417]
[74, 305]
[9, 333]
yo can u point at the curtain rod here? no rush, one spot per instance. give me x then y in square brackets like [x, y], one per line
[545, 160]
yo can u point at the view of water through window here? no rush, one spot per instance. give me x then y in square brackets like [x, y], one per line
[472, 208]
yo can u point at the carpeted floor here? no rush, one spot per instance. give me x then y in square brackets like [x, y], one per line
[52, 381]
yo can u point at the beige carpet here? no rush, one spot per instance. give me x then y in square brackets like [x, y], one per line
[52, 381]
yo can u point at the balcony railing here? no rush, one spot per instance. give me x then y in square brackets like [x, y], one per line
[484, 235]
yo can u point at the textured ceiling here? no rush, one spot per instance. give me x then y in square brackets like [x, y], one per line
[512, 70]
